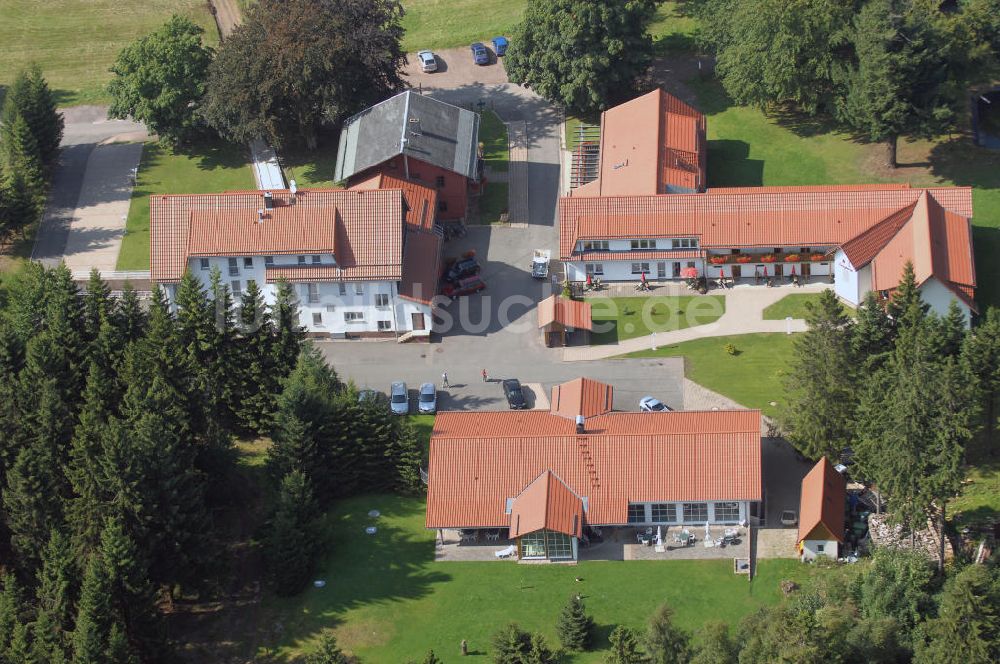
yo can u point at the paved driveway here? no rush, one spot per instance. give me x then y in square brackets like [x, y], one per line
[84, 217]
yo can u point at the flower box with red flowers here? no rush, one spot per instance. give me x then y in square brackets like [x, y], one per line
[767, 258]
[744, 259]
[718, 260]
[792, 258]
[816, 258]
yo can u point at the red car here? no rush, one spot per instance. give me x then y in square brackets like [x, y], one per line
[466, 286]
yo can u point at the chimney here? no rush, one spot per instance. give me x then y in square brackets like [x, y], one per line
[260, 216]
[293, 189]
[579, 424]
[268, 200]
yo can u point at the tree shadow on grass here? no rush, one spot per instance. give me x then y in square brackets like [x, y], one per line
[730, 165]
[62, 97]
[212, 154]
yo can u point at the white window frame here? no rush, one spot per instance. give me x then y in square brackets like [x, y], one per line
[687, 516]
[318, 318]
[381, 300]
[669, 508]
[631, 513]
[722, 512]
[684, 243]
[642, 244]
[203, 263]
[248, 262]
[316, 259]
[354, 317]
[639, 268]
[359, 288]
[236, 287]
[312, 293]
[268, 261]
[594, 268]
[385, 326]
[234, 267]
[342, 288]
[596, 245]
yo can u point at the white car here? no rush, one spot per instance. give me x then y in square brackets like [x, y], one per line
[399, 398]
[652, 405]
[789, 518]
[428, 401]
[428, 62]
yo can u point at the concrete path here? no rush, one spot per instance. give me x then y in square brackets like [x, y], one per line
[745, 305]
[89, 140]
[266, 170]
[517, 192]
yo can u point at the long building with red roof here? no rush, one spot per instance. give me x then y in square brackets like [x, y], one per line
[634, 221]
[545, 475]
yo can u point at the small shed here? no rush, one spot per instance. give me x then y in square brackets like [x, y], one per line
[559, 318]
[821, 512]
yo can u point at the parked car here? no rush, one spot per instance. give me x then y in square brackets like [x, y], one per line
[479, 54]
[500, 46]
[515, 397]
[367, 396]
[789, 518]
[652, 405]
[428, 62]
[428, 401]
[467, 286]
[463, 268]
[399, 398]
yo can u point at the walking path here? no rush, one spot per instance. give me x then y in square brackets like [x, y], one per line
[517, 192]
[745, 306]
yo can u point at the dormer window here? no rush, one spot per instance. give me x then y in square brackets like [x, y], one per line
[302, 260]
[268, 261]
[316, 259]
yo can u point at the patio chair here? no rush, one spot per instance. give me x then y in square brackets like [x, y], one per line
[506, 552]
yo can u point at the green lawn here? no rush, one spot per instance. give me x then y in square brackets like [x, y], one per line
[493, 136]
[790, 305]
[979, 502]
[312, 169]
[493, 202]
[75, 42]
[438, 24]
[752, 377]
[619, 318]
[388, 601]
[212, 168]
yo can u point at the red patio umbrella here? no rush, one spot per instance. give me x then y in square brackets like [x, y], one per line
[590, 279]
[765, 270]
[689, 273]
[793, 270]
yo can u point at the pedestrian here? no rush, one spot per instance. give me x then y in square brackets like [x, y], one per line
[444, 379]
[486, 376]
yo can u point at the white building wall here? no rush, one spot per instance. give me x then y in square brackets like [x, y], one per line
[939, 297]
[846, 279]
[811, 549]
[334, 302]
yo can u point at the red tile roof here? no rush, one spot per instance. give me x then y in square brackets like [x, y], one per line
[480, 459]
[647, 144]
[570, 313]
[281, 230]
[421, 200]
[807, 188]
[547, 504]
[821, 507]
[421, 266]
[368, 230]
[582, 396]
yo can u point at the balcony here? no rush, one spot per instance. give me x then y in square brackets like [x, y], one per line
[743, 259]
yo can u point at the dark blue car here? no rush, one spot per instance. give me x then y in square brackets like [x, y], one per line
[480, 55]
[500, 46]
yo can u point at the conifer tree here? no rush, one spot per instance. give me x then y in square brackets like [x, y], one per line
[574, 627]
[119, 650]
[328, 652]
[11, 421]
[906, 298]
[131, 319]
[714, 645]
[871, 334]
[90, 638]
[29, 98]
[539, 652]
[981, 360]
[19, 651]
[258, 383]
[56, 590]
[951, 329]
[11, 607]
[967, 628]
[667, 643]
[21, 204]
[32, 502]
[625, 647]
[819, 414]
[131, 595]
[96, 305]
[510, 644]
[293, 540]
[289, 333]
[406, 456]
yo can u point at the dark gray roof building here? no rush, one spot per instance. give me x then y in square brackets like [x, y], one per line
[414, 125]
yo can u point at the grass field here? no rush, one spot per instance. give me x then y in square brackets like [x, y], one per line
[312, 169]
[388, 601]
[979, 501]
[493, 136]
[619, 318]
[75, 42]
[213, 168]
[753, 377]
[790, 305]
[494, 202]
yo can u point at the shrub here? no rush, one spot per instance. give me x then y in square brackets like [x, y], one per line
[731, 349]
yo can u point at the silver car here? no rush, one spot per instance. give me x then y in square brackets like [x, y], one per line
[428, 62]
[428, 402]
[399, 398]
[652, 405]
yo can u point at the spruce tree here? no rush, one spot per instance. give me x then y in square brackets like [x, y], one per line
[289, 333]
[11, 420]
[406, 456]
[93, 617]
[822, 392]
[56, 590]
[871, 334]
[131, 319]
[32, 503]
[574, 627]
[967, 628]
[119, 650]
[258, 385]
[24, 162]
[715, 645]
[96, 304]
[21, 203]
[667, 643]
[131, 595]
[539, 652]
[981, 360]
[510, 644]
[11, 608]
[906, 298]
[625, 647]
[328, 652]
[19, 651]
[292, 543]
[29, 98]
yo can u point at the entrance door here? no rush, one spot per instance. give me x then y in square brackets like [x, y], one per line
[806, 270]
[779, 270]
[736, 272]
[417, 320]
[677, 270]
[661, 270]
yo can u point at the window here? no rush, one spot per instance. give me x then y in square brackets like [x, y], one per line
[639, 268]
[684, 243]
[533, 545]
[594, 268]
[727, 512]
[384, 325]
[690, 264]
[596, 245]
[804, 250]
[637, 513]
[558, 545]
[313, 291]
[268, 261]
[342, 288]
[302, 260]
[353, 316]
[643, 244]
[203, 263]
[317, 318]
[381, 299]
[664, 512]
[695, 512]
[248, 262]
[734, 252]
[439, 181]
[316, 259]
[442, 206]
[359, 288]
[820, 548]
[777, 250]
[235, 286]
[234, 268]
